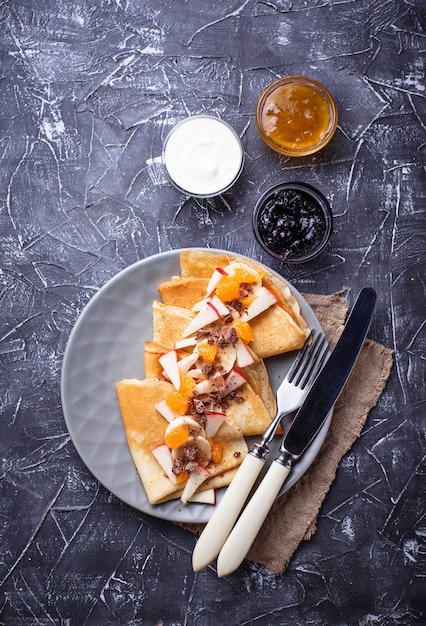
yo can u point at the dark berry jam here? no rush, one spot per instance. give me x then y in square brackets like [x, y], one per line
[292, 222]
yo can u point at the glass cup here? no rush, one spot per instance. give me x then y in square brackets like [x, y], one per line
[203, 156]
[292, 222]
[296, 116]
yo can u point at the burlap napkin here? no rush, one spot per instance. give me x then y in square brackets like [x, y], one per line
[293, 516]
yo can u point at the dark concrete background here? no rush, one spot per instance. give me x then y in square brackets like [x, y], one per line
[88, 91]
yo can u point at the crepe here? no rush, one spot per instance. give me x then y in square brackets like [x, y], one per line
[249, 406]
[278, 330]
[200, 264]
[183, 292]
[275, 330]
[168, 323]
[145, 428]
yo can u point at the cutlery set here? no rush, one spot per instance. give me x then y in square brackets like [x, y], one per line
[311, 387]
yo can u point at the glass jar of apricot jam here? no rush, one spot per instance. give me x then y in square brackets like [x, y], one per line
[296, 116]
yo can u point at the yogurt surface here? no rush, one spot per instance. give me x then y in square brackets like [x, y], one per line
[203, 155]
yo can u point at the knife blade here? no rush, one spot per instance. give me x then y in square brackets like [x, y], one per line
[308, 421]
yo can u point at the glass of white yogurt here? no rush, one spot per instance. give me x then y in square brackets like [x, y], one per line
[203, 156]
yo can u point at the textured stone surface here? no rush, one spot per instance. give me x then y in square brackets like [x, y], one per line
[88, 91]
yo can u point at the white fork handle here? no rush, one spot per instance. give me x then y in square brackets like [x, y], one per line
[219, 526]
[245, 530]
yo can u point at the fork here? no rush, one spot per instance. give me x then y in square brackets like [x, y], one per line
[290, 396]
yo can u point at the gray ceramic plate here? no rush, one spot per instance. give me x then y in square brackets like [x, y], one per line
[107, 345]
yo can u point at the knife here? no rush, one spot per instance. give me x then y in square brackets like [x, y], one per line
[226, 513]
[306, 425]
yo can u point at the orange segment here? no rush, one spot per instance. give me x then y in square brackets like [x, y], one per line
[178, 402]
[182, 477]
[244, 331]
[247, 300]
[244, 276]
[187, 384]
[177, 437]
[216, 451]
[228, 288]
[207, 351]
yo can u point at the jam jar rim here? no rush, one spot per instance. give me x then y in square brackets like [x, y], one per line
[322, 202]
[306, 81]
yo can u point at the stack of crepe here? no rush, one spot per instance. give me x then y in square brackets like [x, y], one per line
[277, 330]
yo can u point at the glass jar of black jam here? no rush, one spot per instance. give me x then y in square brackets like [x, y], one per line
[293, 222]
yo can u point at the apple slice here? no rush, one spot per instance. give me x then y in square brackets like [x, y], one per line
[169, 363]
[164, 458]
[243, 356]
[214, 301]
[188, 342]
[164, 409]
[208, 496]
[234, 380]
[187, 362]
[201, 304]
[220, 306]
[214, 421]
[211, 385]
[194, 481]
[196, 374]
[204, 317]
[264, 299]
[218, 274]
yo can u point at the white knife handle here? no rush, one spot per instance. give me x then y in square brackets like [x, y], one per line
[245, 530]
[219, 526]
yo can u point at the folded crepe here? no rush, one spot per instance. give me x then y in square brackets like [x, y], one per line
[183, 292]
[168, 323]
[279, 329]
[145, 428]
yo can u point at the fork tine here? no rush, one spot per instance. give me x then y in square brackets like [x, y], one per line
[310, 354]
[316, 362]
[306, 363]
[309, 363]
[298, 361]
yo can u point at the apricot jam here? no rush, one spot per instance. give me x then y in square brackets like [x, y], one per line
[296, 116]
[292, 222]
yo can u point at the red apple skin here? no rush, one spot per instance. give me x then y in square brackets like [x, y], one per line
[218, 273]
[234, 380]
[210, 304]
